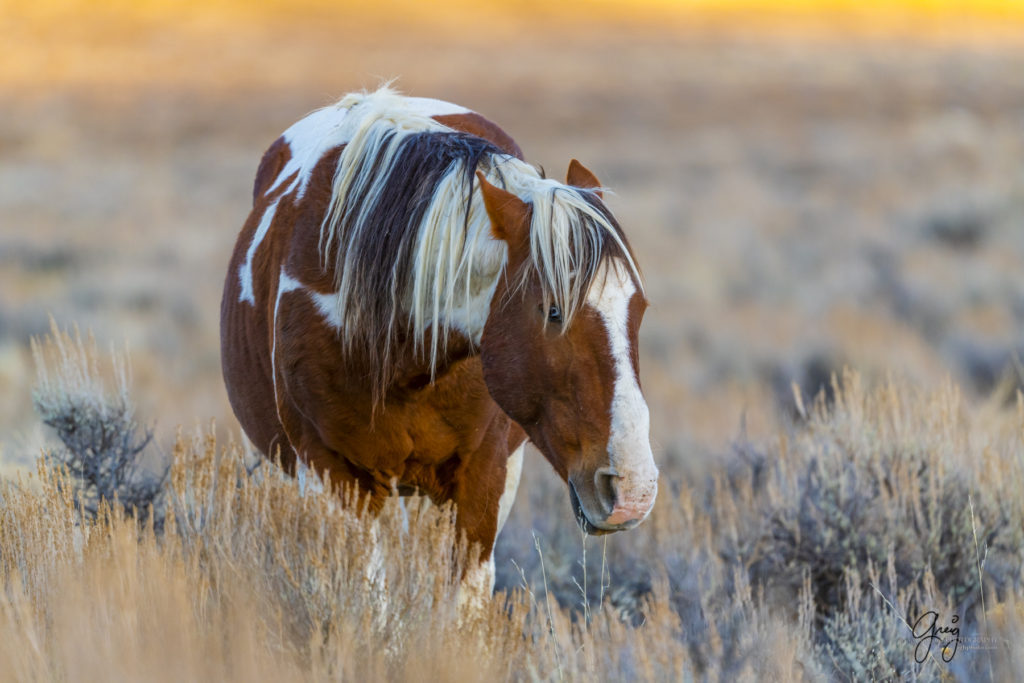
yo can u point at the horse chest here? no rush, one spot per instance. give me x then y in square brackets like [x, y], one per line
[426, 428]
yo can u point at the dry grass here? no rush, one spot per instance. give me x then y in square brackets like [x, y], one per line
[807, 558]
[102, 444]
[254, 579]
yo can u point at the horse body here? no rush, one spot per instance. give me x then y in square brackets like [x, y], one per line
[380, 317]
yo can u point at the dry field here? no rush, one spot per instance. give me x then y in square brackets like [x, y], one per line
[805, 192]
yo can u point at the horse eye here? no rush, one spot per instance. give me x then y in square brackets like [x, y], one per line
[555, 314]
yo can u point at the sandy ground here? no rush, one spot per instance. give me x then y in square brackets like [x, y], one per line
[796, 204]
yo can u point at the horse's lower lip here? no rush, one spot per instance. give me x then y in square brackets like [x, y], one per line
[581, 516]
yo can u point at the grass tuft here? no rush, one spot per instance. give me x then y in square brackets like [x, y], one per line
[808, 558]
[94, 419]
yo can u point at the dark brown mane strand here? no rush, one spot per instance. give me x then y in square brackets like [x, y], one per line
[381, 232]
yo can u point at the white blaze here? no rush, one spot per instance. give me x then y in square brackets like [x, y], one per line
[629, 444]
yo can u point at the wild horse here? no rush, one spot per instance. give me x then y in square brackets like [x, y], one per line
[409, 301]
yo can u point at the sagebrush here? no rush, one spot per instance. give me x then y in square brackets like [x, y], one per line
[806, 558]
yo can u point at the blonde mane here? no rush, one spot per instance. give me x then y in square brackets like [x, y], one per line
[411, 238]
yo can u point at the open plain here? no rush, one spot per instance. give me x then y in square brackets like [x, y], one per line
[805, 193]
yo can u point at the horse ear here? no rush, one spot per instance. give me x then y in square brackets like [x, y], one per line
[581, 176]
[510, 215]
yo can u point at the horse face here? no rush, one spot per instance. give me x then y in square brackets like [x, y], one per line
[574, 390]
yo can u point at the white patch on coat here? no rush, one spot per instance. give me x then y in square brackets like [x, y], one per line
[629, 443]
[285, 284]
[310, 482]
[310, 137]
[475, 591]
[513, 470]
[306, 138]
[427, 106]
[327, 307]
[245, 271]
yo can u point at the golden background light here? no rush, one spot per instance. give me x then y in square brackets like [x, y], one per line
[201, 43]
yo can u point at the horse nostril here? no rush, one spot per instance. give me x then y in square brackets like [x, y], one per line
[604, 484]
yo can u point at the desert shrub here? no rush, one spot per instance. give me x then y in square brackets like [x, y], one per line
[324, 589]
[665, 579]
[889, 479]
[875, 480]
[806, 558]
[334, 578]
[254, 577]
[103, 444]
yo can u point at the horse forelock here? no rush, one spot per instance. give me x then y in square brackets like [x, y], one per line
[414, 250]
[572, 233]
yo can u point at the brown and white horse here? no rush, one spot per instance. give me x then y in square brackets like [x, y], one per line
[409, 301]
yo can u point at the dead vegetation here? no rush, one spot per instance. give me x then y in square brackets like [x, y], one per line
[102, 445]
[806, 558]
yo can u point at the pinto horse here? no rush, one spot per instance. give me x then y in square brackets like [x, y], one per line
[409, 301]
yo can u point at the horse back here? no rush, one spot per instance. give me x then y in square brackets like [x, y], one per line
[475, 124]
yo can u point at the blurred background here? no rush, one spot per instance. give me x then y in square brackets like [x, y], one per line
[807, 185]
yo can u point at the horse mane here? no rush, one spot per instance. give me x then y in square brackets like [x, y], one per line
[410, 236]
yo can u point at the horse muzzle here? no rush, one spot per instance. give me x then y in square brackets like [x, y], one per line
[609, 502]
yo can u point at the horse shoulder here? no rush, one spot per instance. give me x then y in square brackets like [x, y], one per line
[475, 124]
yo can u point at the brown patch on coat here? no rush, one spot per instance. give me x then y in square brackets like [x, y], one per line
[273, 162]
[637, 307]
[245, 344]
[556, 383]
[477, 125]
[447, 439]
[306, 264]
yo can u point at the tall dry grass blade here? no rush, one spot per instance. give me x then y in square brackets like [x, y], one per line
[547, 602]
[981, 582]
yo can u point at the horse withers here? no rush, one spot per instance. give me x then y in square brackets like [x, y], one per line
[409, 301]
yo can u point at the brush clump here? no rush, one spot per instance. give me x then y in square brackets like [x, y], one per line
[808, 558]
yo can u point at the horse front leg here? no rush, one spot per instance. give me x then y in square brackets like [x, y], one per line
[318, 466]
[483, 503]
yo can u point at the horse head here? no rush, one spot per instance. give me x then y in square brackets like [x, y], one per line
[571, 381]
